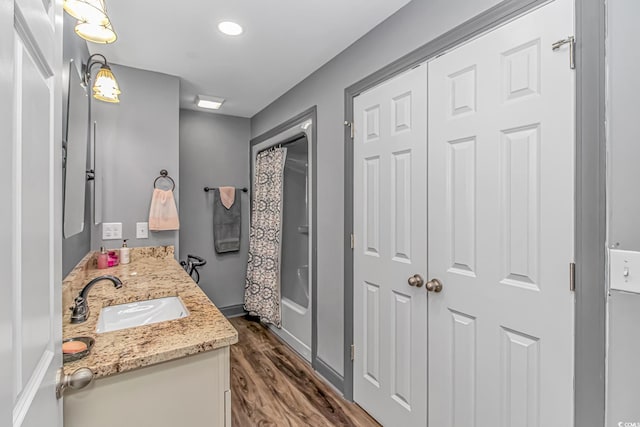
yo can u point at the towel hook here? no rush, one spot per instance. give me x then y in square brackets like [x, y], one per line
[165, 174]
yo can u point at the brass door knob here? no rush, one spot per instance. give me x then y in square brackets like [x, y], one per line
[434, 285]
[415, 280]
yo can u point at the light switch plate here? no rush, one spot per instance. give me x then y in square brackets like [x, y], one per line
[111, 230]
[624, 270]
[142, 230]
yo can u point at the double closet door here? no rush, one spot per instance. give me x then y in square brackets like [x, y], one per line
[464, 231]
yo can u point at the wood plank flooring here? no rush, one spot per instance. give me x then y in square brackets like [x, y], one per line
[273, 386]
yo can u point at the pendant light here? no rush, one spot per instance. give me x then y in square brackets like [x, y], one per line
[105, 87]
[93, 24]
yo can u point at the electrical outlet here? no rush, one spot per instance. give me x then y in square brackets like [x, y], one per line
[111, 230]
[142, 230]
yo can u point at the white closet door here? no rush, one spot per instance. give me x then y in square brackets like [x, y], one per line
[501, 227]
[390, 218]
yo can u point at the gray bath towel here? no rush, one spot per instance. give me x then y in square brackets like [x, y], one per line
[226, 224]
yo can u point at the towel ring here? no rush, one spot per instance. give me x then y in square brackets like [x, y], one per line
[165, 174]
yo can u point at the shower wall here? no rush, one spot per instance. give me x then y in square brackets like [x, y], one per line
[295, 227]
[294, 268]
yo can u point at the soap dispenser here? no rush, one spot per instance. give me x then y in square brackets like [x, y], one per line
[124, 253]
[103, 259]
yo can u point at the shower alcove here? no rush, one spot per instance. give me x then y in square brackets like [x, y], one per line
[297, 237]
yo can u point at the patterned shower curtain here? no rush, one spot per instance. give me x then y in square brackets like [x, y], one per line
[262, 287]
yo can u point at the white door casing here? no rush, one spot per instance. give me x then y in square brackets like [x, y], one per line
[390, 317]
[36, 200]
[501, 227]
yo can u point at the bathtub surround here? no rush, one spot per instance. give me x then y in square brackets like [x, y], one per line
[214, 152]
[134, 140]
[296, 265]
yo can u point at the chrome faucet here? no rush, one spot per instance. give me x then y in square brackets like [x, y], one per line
[80, 307]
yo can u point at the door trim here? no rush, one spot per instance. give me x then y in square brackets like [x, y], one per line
[590, 204]
[590, 222]
[311, 113]
[7, 172]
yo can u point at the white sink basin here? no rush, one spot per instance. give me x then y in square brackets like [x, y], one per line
[123, 316]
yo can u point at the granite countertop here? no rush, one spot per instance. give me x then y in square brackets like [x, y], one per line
[152, 273]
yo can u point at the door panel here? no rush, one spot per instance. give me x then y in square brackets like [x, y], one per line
[371, 347]
[36, 214]
[460, 205]
[501, 133]
[35, 324]
[401, 210]
[463, 367]
[390, 318]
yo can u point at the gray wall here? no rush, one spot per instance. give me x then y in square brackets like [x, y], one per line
[135, 140]
[623, 111]
[77, 246]
[214, 152]
[412, 26]
[624, 347]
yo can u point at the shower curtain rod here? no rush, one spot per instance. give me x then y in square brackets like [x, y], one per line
[287, 142]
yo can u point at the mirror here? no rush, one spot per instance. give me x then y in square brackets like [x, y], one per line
[75, 173]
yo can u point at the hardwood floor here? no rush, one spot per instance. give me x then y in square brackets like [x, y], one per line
[273, 386]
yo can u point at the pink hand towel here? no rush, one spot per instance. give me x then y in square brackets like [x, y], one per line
[227, 196]
[163, 214]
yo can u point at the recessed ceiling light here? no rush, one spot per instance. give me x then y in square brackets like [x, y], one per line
[209, 102]
[230, 28]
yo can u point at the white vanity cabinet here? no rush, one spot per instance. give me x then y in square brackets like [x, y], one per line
[190, 391]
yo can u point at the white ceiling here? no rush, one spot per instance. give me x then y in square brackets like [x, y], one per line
[283, 42]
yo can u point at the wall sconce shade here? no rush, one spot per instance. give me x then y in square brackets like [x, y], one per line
[93, 24]
[105, 87]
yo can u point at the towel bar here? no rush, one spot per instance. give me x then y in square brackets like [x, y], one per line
[207, 189]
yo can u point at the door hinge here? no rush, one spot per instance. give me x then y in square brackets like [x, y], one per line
[351, 128]
[572, 276]
[571, 41]
[353, 352]
[353, 241]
